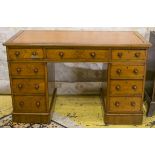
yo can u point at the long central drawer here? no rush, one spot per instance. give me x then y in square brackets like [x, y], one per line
[78, 54]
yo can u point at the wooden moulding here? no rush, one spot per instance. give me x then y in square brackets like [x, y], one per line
[123, 119]
[35, 117]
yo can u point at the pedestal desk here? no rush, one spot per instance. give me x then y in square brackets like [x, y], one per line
[125, 54]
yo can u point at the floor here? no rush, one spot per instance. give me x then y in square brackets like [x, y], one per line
[76, 111]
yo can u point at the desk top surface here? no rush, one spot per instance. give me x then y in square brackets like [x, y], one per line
[77, 38]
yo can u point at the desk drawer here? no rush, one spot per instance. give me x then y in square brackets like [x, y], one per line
[27, 69]
[125, 104]
[128, 54]
[28, 86]
[71, 54]
[28, 104]
[127, 71]
[17, 54]
[126, 87]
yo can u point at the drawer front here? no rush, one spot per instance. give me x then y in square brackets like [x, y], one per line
[29, 104]
[27, 69]
[69, 54]
[126, 87]
[125, 104]
[127, 71]
[128, 54]
[17, 54]
[28, 86]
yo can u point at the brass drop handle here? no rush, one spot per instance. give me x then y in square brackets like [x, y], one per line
[134, 87]
[93, 54]
[36, 86]
[38, 104]
[118, 87]
[18, 70]
[117, 104]
[133, 104]
[120, 54]
[34, 53]
[17, 53]
[36, 70]
[118, 71]
[61, 54]
[137, 55]
[135, 71]
[21, 103]
[20, 86]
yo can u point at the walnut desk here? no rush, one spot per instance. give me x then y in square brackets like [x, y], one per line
[28, 53]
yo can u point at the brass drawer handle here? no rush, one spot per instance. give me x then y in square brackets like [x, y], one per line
[36, 70]
[38, 104]
[36, 86]
[93, 54]
[117, 104]
[134, 87]
[133, 104]
[120, 54]
[135, 71]
[137, 55]
[21, 103]
[18, 70]
[17, 53]
[20, 86]
[34, 53]
[61, 54]
[118, 71]
[118, 87]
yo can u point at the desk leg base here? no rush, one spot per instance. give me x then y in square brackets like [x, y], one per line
[31, 118]
[123, 119]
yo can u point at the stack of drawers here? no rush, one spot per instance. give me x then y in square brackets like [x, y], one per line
[125, 87]
[28, 85]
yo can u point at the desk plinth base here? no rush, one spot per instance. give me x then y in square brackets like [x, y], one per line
[31, 118]
[123, 119]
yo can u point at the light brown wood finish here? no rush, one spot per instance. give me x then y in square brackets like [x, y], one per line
[29, 104]
[128, 55]
[125, 71]
[25, 53]
[27, 69]
[125, 104]
[78, 38]
[28, 86]
[126, 87]
[125, 53]
[80, 54]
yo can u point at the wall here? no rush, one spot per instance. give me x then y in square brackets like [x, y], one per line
[82, 77]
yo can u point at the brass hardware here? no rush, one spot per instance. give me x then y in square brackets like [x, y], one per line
[117, 104]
